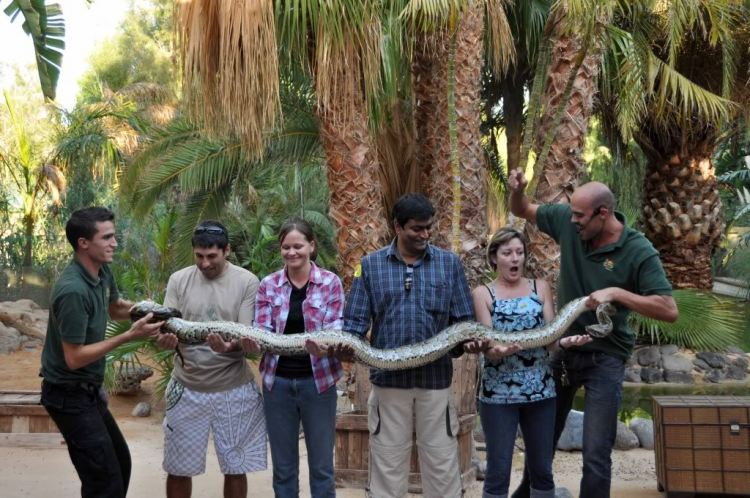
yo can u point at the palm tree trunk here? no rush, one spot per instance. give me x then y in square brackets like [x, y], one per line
[473, 169]
[356, 196]
[459, 196]
[682, 216]
[433, 149]
[564, 166]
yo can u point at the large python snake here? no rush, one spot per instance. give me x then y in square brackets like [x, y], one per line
[409, 356]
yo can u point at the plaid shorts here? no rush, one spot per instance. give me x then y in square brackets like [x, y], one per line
[236, 419]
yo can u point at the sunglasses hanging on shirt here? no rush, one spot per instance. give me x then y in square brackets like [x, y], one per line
[409, 279]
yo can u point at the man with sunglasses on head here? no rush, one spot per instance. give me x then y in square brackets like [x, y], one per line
[408, 292]
[600, 257]
[212, 386]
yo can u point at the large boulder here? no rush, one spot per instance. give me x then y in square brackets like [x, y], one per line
[677, 363]
[649, 356]
[10, 339]
[735, 350]
[651, 375]
[644, 431]
[714, 360]
[678, 377]
[572, 436]
[25, 316]
[626, 439]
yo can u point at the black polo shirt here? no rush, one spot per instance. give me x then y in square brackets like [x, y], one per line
[78, 314]
[631, 263]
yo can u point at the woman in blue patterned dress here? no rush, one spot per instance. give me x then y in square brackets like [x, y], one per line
[517, 385]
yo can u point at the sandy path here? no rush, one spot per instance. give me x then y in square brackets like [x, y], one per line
[46, 473]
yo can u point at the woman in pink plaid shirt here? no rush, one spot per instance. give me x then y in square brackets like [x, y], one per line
[299, 298]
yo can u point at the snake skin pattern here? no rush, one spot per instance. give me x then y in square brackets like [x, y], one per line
[410, 356]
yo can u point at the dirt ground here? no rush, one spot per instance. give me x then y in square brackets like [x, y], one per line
[41, 473]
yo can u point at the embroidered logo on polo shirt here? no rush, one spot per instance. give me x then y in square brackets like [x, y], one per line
[609, 264]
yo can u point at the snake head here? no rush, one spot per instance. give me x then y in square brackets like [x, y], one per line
[604, 327]
[139, 310]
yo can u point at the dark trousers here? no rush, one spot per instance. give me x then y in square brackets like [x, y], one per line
[601, 376]
[499, 422]
[96, 446]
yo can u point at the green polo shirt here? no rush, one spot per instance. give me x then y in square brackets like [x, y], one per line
[78, 314]
[631, 263]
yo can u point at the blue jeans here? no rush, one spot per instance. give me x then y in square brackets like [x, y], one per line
[96, 446]
[289, 402]
[601, 377]
[499, 422]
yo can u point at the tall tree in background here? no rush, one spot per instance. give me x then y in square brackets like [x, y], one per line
[678, 78]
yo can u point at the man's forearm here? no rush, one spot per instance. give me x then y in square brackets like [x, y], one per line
[120, 310]
[79, 355]
[518, 203]
[656, 307]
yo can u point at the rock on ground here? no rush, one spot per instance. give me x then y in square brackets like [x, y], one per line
[668, 349]
[572, 436]
[715, 376]
[678, 377]
[649, 356]
[644, 431]
[10, 339]
[714, 360]
[677, 363]
[632, 375]
[25, 316]
[142, 409]
[702, 365]
[651, 375]
[626, 439]
[129, 377]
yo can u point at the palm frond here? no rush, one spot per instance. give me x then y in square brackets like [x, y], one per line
[46, 26]
[705, 323]
[231, 68]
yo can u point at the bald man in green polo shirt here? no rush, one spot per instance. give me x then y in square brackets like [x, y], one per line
[73, 359]
[600, 257]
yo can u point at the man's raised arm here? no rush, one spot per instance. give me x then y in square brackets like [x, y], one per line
[519, 204]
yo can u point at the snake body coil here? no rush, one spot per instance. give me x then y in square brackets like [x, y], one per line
[409, 356]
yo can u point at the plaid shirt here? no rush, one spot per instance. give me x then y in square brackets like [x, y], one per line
[321, 310]
[439, 297]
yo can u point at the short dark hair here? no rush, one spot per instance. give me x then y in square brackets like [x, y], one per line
[82, 223]
[207, 239]
[412, 207]
[303, 227]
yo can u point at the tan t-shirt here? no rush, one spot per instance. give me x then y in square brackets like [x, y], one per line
[229, 297]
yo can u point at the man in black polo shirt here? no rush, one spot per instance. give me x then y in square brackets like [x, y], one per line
[600, 257]
[73, 356]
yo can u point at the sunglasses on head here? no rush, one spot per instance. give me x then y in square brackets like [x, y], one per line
[213, 230]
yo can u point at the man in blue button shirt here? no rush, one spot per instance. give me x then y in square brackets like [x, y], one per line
[408, 292]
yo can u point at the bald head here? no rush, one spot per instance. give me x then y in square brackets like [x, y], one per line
[593, 195]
